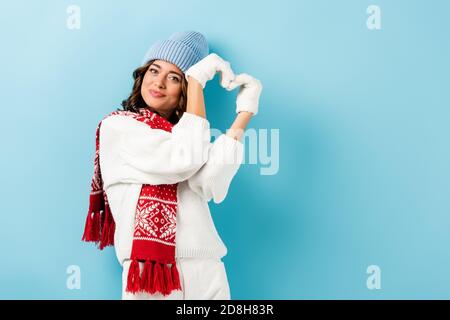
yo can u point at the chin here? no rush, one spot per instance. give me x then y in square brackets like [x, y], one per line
[153, 103]
[156, 108]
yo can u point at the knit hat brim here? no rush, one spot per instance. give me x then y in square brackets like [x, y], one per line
[174, 52]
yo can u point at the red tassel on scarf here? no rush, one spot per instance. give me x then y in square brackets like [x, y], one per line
[133, 281]
[167, 279]
[100, 225]
[147, 277]
[175, 277]
[158, 280]
[93, 219]
[108, 229]
[92, 227]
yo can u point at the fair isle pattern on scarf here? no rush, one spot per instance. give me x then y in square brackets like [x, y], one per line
[155, 223]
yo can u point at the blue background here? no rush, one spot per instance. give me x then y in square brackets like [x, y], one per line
[364, 154]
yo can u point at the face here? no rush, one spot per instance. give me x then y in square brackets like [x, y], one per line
[161, 87]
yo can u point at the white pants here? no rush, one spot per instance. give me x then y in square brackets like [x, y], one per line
[200, 279]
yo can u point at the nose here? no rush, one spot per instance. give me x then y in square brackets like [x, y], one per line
[159, 81]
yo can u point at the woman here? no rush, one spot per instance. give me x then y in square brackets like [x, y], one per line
[155, 171]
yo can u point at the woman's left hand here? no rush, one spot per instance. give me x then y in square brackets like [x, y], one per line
[249, 92]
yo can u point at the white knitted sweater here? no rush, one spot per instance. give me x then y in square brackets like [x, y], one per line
[132, 153]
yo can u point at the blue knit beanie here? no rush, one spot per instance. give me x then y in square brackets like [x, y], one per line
[183, 49]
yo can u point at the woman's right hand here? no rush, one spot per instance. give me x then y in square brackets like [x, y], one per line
[205, 69]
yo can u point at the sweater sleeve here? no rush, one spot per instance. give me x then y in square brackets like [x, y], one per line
[132, 152]
[213, 179]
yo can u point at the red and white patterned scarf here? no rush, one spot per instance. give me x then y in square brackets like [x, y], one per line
[155, 223]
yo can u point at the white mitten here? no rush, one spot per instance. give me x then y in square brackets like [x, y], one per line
[205, 69]
[249, 92]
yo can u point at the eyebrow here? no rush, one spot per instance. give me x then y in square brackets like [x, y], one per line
[157, 65]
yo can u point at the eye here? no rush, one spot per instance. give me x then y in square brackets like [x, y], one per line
[151, 70]
[173, 78]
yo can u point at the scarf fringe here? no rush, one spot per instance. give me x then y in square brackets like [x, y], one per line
[147, 279]
[175, 277]
[155, 277]
[108, 229]
[92, 227]
[167, 278]
[133, 281]
[100, 226]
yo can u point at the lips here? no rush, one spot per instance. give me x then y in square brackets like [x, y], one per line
[156, 94]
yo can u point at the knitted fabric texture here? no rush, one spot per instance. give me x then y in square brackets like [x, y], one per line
[183, 49]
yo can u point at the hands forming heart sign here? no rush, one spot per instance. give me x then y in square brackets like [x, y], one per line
[249, 87]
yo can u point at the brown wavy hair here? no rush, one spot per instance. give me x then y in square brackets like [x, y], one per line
[135, 100]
